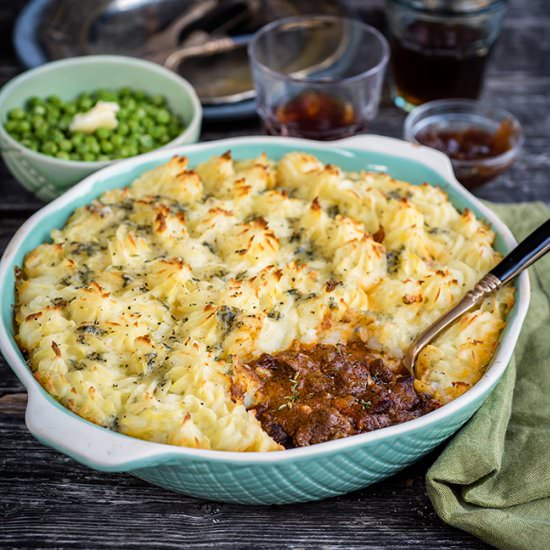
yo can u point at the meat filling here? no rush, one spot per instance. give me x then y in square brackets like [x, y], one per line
[325, 392]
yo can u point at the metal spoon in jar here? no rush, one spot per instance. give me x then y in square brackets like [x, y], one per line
[531, 249]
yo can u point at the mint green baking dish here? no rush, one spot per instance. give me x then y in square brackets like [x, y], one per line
[295, 475]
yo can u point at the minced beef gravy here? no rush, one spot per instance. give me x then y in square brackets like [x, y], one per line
[311, 395]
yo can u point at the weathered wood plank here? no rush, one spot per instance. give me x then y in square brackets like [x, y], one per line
[67, 504]
[8, 381]
[13, 403]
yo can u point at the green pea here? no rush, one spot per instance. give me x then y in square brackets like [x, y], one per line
[41, 132]
[82, 148]
[34, 101]
[125, 151]
[133, 125]
[16, 114]
[125, 92]
[148, 123]
[109, 95]
[77, 138]
[56, 135]
[93, 145]
[132, 139]
[64, 122]
[49, 148]
[174, 129]
[140, 113]
[106, 146]
[38, 110]
[55, 100]
[117, 140]
[158, 100]
[122, 129]
[53, 110]
[129, 104]
[146, 141]
[11, 125]
[85, 103]
[88, 157]
[163, 116]
[52, 117]
[133, 150]
[139, 95]
[24, 126]
[65, 145]
[63, 155]
[70, 109]
[158, 131]
[123, 114]
[37, 121]
[151, 110]
[103, 133]
[160, 140]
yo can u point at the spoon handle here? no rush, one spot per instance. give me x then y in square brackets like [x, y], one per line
[528, 251]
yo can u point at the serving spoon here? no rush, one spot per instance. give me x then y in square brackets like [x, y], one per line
[531, 249]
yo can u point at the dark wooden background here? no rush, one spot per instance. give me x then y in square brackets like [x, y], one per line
[47, 500]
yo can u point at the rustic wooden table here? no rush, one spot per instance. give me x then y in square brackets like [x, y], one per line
[48, 500]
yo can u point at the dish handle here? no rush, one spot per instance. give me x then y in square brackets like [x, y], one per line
[87, 443]
[436, 160]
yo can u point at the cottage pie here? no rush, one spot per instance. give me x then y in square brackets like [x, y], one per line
[252, 305]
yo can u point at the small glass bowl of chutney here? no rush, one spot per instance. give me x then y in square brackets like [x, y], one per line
[482, 142]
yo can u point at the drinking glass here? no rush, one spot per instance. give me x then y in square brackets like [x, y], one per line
[440, 47]
[317, 77]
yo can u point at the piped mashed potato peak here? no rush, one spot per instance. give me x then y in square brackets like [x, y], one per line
[140, 311]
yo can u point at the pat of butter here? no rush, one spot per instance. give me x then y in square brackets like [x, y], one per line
[102, 115]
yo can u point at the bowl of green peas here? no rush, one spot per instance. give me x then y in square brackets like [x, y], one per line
[67, 119]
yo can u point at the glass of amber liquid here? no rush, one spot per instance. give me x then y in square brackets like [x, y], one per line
[317, 77]
[439, 48]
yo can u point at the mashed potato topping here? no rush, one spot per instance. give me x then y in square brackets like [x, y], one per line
[140, 312]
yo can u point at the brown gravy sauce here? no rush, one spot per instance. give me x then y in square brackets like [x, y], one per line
[470, 143]
[324, 392]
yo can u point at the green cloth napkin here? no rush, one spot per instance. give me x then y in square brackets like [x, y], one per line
[493, 478]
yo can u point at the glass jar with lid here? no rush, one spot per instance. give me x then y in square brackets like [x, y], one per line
[440, 47]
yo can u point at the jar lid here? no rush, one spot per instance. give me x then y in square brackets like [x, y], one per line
[454, 6]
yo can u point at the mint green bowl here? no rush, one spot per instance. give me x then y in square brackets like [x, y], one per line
[48, 177]
[307, 473]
